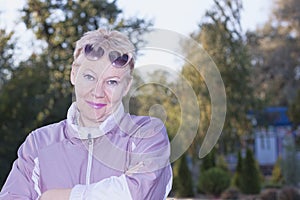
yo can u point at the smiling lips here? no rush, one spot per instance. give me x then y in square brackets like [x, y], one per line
[96, 105]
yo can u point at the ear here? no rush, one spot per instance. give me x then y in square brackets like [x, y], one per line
[73, 73]
[128, 86]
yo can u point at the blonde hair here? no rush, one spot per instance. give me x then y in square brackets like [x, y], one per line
[109, 40]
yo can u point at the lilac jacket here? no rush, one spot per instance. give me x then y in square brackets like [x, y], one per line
[126, 157]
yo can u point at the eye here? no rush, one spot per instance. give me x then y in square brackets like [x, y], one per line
[112, 82]
[89, 77]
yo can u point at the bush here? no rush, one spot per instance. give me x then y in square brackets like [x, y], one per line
[209, 161]
[214, 181]
[231, 193]
[183, 185]
[250, 181]
[222, 163]
[271, 185]
[277, 176]
[289, 193]
[290, 164]
[269, 194]
[236, 180]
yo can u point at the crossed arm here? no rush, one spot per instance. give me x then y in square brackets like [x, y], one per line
[142, 184]
[58, 194]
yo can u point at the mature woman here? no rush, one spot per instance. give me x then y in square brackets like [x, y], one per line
[99, 151]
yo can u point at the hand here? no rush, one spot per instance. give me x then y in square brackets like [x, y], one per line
[57, 194]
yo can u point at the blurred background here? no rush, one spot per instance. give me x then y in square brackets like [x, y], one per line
[254, 44]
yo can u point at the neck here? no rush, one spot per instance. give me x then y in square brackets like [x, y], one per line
[87, 123]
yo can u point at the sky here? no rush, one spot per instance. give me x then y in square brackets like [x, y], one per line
[180, 16]
[184, 16]
[176, 15]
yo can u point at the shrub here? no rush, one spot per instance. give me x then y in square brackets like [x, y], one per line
[277, 176]
[214, 181]
[238, 170]
[271, 185]
[269, 194]
[231, 193]
[250, 181]
[290, 164]
[222, 163]
[208, 161]
[183, 185]
[289, 193]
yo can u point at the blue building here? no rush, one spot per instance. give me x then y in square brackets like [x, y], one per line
[272, 133]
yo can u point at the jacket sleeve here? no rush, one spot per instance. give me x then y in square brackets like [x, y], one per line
[22, 181]
[149, 175]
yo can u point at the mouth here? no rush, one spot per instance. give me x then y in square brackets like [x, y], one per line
[96, 105]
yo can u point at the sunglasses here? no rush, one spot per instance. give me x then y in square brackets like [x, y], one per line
[116, 58]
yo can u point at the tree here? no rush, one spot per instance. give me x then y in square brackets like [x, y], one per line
[209, 161]
[221, 37]
[156, 97]
[183, 184]
[275, 54]
[22, 104]
[238, 171]
[250, 182]
[6, 56]
[277, 176]
[38, 91]
[294, 111]
[5, 74]
[290, 164]
[222, 163]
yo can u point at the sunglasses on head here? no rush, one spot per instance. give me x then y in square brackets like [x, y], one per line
[116, 58]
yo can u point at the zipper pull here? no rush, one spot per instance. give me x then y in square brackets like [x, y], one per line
[90, 140]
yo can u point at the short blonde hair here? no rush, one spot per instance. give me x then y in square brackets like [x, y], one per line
[109, 40]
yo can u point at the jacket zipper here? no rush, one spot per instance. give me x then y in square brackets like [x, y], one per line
[90, 159]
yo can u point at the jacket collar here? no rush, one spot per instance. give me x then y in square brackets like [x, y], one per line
[106, 126]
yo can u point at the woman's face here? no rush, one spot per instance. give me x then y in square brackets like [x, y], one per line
[99, 89]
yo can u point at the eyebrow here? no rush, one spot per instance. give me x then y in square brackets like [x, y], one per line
[124, 74]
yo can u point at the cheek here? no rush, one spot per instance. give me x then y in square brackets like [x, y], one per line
[82, 86]
[82, 90]
[115, 94]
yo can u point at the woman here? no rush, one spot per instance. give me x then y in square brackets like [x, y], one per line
[99, 151]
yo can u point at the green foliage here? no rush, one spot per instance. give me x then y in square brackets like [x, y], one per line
[144, 97]
[250, 181]
[182, 182]
[290, 163]
[239, 165]
[277, 176]
[214, 181]
[212, 161]
[25, 106]
[209, 161]
[236, 180]
[222, 163]
[275, 66]
[294, 111]
[221, 37]
[6, 57]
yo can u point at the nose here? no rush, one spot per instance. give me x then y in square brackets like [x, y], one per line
[98, 91]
